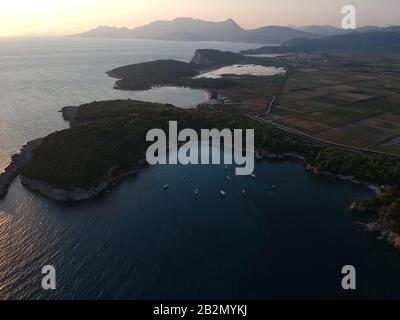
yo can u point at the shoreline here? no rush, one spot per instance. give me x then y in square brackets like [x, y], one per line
[383, 231]
[381, 228]
[109, 180]
[61, 194]
[18, 161]
[79, 194]
[105, 183]
[261, 154]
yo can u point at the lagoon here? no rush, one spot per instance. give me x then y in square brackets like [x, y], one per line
[242, 70]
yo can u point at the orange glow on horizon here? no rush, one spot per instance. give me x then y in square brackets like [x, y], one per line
[19, 17]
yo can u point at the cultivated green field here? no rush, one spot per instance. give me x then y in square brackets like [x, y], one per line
[336, 101]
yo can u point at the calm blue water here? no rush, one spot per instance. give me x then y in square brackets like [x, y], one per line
[142, 242]
[39, 76]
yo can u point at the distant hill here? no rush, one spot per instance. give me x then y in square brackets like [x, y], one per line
[188, 29]
[393, 29]
[322, 30]
[355, 42]
[370, 29]
[328, 30]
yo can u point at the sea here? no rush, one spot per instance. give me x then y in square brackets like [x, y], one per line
[288, 238]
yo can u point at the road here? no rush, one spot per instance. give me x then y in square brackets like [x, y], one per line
[318, 140]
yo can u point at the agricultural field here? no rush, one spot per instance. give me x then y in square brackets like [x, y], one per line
[252, 94]
[357, 104]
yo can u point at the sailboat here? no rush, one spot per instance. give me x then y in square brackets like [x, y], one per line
[223, 193]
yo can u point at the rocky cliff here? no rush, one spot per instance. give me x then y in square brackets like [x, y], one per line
[212, 58]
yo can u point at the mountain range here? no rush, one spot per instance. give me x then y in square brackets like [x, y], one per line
[189, 29]
[327, 30]
[382, 42]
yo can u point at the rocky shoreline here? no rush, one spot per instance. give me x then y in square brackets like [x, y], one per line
[352, 179]
[18, 161]
[380, 227]
[79, 194]
[59, 194]
[383, 229]
[264, 154]
[68, 114]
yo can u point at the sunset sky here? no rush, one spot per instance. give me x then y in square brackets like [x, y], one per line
[21, 17]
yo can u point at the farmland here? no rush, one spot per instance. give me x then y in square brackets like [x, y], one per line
[352, 101]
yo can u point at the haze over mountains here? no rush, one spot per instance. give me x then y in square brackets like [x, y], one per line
[188, 29]
[381, 42]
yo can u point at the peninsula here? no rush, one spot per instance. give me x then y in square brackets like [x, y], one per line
[106, 141]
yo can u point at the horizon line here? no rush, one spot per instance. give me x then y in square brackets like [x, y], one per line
[292, 26]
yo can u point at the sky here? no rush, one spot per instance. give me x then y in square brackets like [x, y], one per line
[27, 17]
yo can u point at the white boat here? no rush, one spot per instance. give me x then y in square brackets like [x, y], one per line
[244, 194]
[166, 186]
[254, 176]
[229, 178]
[223, 193]
[197, 192]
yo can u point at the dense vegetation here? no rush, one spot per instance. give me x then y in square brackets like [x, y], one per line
[146, 75]
[111, 140]
[143, 76]
[371, 168]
